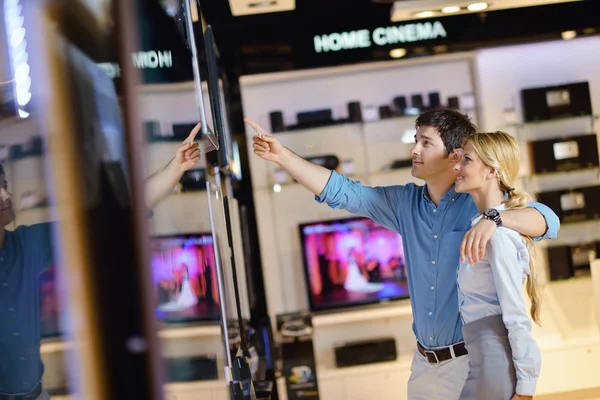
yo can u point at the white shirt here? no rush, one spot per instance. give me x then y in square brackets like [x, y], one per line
[494, 287]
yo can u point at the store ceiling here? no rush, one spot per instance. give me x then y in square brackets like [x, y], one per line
[279, 41]
[401, 10]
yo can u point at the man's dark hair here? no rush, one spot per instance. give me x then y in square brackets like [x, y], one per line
[453, 126]
[1, 170]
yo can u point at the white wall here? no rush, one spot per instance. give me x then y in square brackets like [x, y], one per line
[502, 72]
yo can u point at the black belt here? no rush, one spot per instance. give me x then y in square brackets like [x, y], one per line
[29, 396]
[443, 354]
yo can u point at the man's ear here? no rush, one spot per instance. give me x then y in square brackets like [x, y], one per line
[456, 155]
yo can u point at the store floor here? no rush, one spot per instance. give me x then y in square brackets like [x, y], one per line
[590, 394]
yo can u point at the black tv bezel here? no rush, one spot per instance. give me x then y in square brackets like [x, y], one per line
[347, 306]
[183, 321]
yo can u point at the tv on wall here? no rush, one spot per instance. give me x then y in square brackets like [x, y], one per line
[185, 278]
[352, 262]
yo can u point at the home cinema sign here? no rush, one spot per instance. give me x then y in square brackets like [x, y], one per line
[364, 38]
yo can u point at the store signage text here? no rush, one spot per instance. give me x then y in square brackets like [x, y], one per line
[364, 38]
[152, 59]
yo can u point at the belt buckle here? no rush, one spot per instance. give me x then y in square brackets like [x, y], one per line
[427, 352]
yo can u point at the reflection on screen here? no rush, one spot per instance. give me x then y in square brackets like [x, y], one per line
[353, 261]
[184, 278]
[49, 308]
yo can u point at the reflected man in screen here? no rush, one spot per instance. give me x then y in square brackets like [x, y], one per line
[24, 254]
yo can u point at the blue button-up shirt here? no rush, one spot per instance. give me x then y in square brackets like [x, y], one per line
[26, 253]
[431, 236]
[494, 287]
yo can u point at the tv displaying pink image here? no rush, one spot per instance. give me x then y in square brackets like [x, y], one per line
[49, 306]
[352, 262]
[184, 277]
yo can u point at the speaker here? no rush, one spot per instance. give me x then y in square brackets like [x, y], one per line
[152, 129]
[365, 352]
[354, 112]
[453, 103]
[560, 262]
[192, 368]
[417, 101]
[434, 100]
[315, 117]
[277, 124]
[330, 162]
[182, 131]
[385, 112]
[400, 104]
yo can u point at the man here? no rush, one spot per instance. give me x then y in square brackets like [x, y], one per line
[433, 221]
[24, 254]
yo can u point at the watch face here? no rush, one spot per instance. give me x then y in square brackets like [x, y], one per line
[492, 213]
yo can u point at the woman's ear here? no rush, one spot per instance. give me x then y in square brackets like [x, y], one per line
[492, 173]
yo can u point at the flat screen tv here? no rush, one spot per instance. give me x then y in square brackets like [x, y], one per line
[184, 278]
[352, 262]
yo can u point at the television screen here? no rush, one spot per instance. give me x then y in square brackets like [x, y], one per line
[49, 307]
[184, 276]
[351, 262]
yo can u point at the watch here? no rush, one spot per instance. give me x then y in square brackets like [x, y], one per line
[493, 215]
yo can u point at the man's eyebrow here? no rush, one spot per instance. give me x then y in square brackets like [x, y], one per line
[424, 137]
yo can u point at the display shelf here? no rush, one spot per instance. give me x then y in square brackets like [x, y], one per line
[555, 120]
[189, 331]
[55, 345]
[407, 121]
[388, 140]
[403, 362]
[558, 173]
[400, 308]
[559, 128]
[345, 141]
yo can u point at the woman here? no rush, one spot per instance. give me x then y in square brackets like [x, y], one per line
[504, 358]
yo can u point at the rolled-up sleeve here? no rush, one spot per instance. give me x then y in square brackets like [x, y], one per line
[552, 221]
[378, 203]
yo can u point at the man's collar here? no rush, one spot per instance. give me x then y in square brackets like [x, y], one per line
[449, 196]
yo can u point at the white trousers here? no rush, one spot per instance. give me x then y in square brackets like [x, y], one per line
[443, 381]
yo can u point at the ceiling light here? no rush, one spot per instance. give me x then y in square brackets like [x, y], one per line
[397, 53]
[451, 9]
[477, 6]
[425, 14]
[568, 35]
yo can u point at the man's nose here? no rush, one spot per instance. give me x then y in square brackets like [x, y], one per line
[416, 150]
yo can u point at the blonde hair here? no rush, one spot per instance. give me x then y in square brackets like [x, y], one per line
[501, 151]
